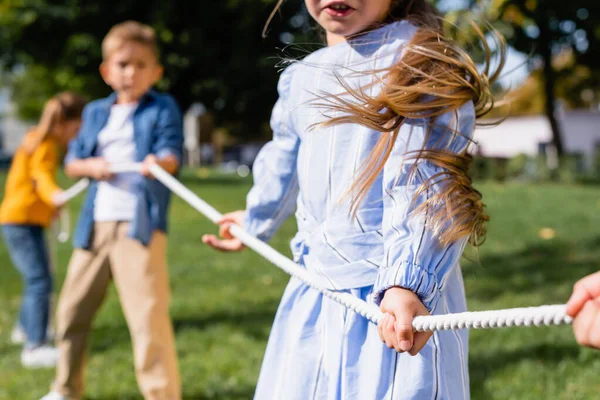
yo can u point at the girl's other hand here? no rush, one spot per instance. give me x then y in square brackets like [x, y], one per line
[395, 329]
[227, 242]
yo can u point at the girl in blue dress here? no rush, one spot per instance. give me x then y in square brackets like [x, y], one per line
[369, 148]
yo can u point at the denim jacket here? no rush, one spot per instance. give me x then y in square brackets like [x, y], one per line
[158, 129]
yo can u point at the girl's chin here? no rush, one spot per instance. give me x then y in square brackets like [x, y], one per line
[342, 29]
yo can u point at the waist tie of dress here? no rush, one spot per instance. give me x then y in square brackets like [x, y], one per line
[341, 252]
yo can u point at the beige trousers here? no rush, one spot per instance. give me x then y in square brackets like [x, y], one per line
[142, 281]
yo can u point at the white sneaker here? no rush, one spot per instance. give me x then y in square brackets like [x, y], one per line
[17, 335]
[40, 357]
[54, 396]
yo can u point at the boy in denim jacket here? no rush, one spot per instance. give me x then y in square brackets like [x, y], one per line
[121, 230]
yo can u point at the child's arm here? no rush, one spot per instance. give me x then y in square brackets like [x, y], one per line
[43, 164]
[273, 197]
[228, 242]
[167, 150]
[416, 266]
[584, 307]
[95, 167]
[76, 166]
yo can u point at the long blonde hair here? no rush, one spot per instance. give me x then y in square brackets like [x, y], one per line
[65, 106]
[433, 77]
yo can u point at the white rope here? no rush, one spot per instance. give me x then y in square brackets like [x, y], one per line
[532, 316]
[83, 184]
[546, 315]
[64, 223]
[74, 190]
[122, 168]
[62, 227]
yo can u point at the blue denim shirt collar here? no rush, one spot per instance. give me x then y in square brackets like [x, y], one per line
[107, 102]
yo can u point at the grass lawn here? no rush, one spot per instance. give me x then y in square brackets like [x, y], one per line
[223, 305]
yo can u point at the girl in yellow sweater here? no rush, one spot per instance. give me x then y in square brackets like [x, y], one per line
[31, 199]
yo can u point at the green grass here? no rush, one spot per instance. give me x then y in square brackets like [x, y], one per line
[223, 305]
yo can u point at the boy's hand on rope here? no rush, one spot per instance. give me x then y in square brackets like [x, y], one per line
[584, 307]
[98, 169]
[400, 306]
[146, 164]
[228, 242]
[169, 163]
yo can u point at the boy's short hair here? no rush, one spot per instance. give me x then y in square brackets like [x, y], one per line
[129, 31]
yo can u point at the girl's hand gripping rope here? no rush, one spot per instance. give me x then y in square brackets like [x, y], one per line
[227, 243]
[400, 306]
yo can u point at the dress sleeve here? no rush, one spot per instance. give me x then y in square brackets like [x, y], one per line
[413, 257]
[273, 197]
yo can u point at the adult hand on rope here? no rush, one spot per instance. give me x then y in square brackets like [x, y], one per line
[228, 242]
[584, 307]
[400, 306]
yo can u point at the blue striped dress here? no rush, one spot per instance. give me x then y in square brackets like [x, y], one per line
[317, 349]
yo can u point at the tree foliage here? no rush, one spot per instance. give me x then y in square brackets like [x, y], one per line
[213, 52]
[562, 39]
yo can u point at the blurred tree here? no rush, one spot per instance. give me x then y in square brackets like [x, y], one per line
[526, 99]
[563, 39]
[213, 52]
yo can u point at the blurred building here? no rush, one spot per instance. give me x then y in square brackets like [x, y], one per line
[530, 134]
[12, 129]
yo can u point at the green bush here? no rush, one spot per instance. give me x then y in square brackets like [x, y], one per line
[535, 169]
[516, 167]
[571, 168]
[483, 169]
[596, 165]
[542, 172]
